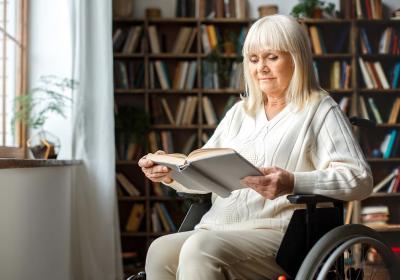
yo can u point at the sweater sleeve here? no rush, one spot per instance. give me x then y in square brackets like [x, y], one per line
[341, 170]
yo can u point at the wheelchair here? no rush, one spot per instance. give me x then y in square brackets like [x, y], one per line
[316, 244]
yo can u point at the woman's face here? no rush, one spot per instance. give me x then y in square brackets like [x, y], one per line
[271, 71]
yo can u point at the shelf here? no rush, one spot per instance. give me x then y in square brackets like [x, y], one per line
[165, 198]
[340, 91]
[332, 56]
[379, 91]
[129, 55]
[129, 91]
[326, 21]
[174, 56]
[386, 125]
[386, 228]
[173, 91]
[223, 91]
[379, 56]
[171, 126]
[383, 194]
[172, 20]
[126, 162]
[128, 20]
[223, 55]
[384, 160]
[377, 21]
[226, 20]
[134, 234]
[131, 198]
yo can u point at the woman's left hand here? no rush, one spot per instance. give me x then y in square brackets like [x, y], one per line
[275, 182]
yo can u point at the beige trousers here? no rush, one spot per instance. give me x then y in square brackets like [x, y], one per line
[215, 255]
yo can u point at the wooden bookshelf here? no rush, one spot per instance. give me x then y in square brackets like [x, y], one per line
[146, 95]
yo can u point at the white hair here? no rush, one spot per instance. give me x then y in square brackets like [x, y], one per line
[281, 33]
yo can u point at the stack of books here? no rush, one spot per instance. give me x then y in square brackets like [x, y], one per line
[375, 216]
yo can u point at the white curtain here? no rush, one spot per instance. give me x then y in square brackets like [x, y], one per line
[95, 230]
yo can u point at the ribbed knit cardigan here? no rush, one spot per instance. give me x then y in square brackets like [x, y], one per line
[316, 144]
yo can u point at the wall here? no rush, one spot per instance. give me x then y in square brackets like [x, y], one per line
[35, 223]
[168, 7]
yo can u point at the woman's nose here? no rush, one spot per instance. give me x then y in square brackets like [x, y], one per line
[262, 66]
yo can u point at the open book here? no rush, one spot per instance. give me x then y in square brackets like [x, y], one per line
[217, 170]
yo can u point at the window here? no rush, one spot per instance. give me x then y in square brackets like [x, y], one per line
[13, 56]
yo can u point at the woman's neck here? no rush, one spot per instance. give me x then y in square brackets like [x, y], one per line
[273, 105]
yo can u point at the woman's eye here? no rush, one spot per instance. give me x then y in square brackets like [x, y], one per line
[273, 57]
[253, 60]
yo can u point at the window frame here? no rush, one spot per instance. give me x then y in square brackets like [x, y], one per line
[21, 83]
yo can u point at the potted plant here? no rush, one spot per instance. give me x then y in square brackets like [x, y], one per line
[35, 107]
[131, 126]
[312, 9]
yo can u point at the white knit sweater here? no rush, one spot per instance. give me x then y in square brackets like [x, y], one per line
[316, 144]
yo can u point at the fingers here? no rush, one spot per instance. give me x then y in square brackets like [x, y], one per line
[255, 181]
[269, 170]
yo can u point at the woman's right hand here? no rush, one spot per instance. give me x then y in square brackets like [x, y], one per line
[155, 172]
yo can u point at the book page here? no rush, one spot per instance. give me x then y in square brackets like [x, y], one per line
[174, 159]
[226, 170]
[207, 153]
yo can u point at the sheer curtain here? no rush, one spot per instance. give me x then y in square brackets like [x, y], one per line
[95, 230]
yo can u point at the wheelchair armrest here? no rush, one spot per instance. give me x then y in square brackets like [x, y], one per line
[311, 199]
[195, 198]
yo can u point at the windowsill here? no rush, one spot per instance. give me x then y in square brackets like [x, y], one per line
[6, 163]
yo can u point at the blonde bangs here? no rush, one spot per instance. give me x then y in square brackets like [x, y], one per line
[263, 36]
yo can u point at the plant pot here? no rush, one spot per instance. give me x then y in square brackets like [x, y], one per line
[44, 145]
[316, 13]
[229, 48]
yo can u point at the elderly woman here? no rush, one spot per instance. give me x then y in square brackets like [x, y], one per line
[299, 138]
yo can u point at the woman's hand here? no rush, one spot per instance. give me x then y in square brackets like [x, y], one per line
[155, 172]
[275, 182]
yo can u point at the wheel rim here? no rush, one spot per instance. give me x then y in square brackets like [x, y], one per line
[339, 251]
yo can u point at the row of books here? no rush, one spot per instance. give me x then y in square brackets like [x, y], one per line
[127, 151]
[212, 8]
[388, 43]
[128, 40]
[161, 219]
[184, 76]
[390, 183]
[213, 40]
[374, 76]
[390, 146]
[318, 43]
[163, 140]
[128, 74]
[183, 42]
[340, 75]
[185, 109]
[368, 9]
[125, 187]
[369, 110]
[217, 76]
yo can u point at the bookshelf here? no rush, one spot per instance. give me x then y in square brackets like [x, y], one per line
[339, 73]
[148, 95]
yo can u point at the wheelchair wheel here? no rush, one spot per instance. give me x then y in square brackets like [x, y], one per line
[345, 253]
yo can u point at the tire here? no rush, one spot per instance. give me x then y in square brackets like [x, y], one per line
[346, 236]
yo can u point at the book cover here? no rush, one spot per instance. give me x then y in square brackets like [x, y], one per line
[135, 217]
[208, 169]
